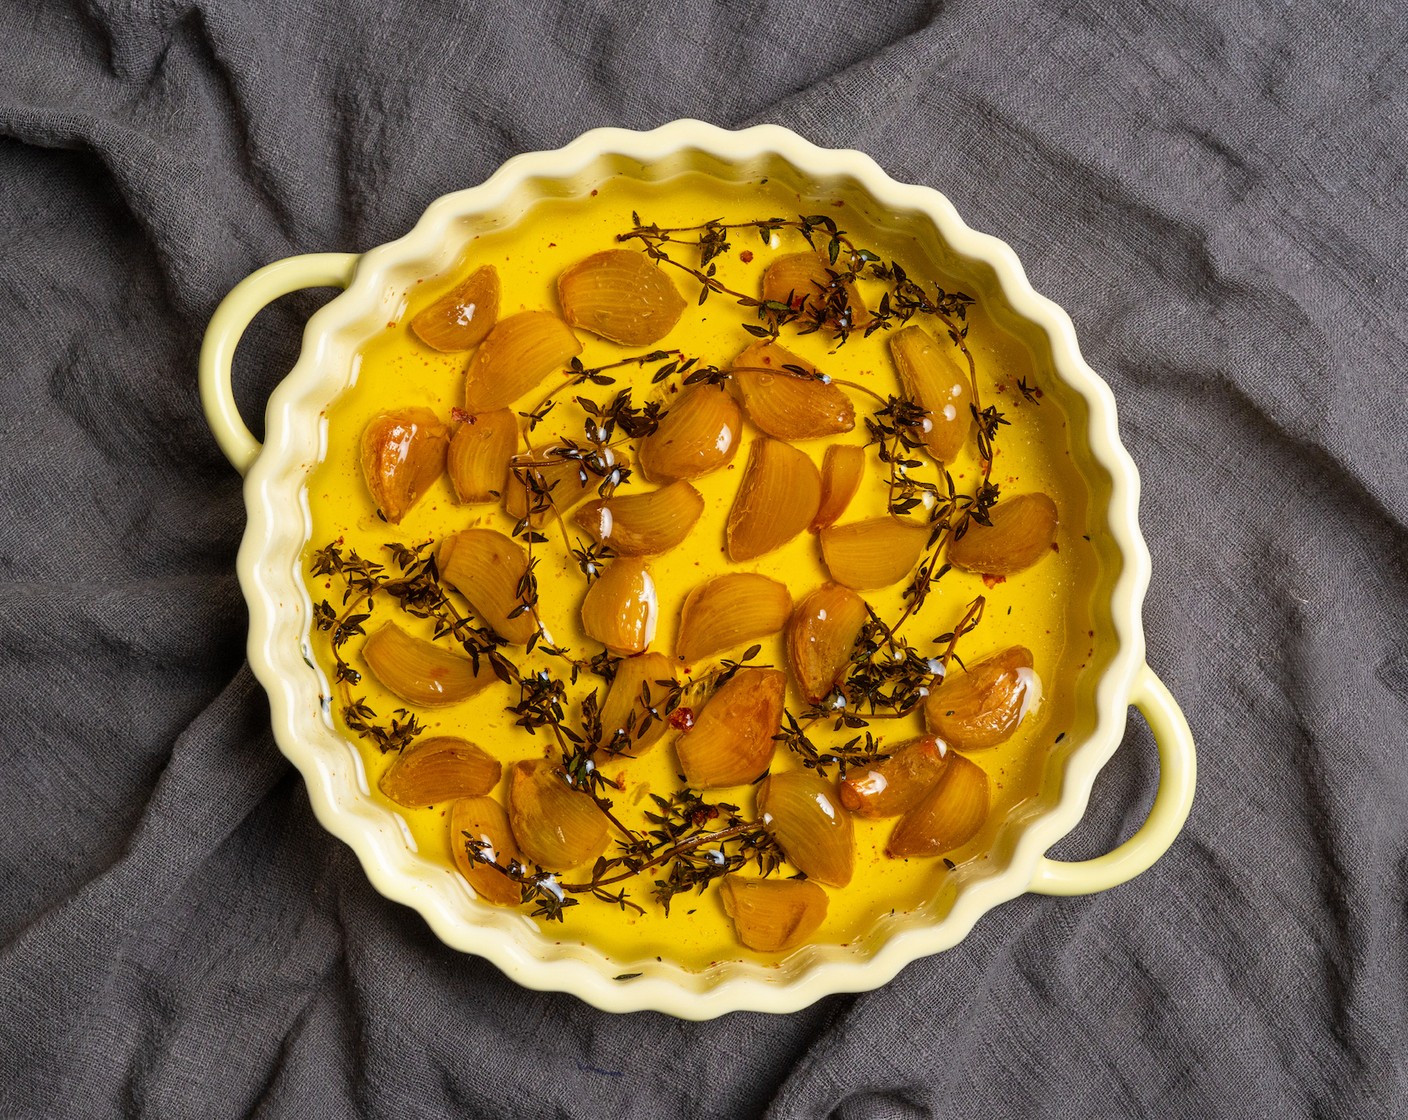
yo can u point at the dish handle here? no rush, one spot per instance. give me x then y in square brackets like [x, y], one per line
[1178, 775]
[227, 326]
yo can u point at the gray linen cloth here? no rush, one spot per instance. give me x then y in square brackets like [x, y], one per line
[1216, 194]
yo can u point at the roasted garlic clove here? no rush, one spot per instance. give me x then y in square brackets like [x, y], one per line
[621, 295]
[420, 672]
[842, 468]
[772, 915]
[785, 403]
[982, 707]
[621, 608]
[632, 716]
[403, 453]
[552, 480]
[643, 524]
[804, 814]
[556, 826]
[949, 815]
[873, 553]
[488, 569]
[517, 354]
[443, 768]
[777, 499]
[697, 434]
[731, 742]
[820, 636]
[807, 282]
[892, 787]
[729, 610]
[479, 456]
[461, 318]
[1023, 530]
[934, 378]
[483, 819]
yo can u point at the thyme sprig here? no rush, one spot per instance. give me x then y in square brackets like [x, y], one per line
[578, 374]
[862, 750]
[887, 674]
[895, 431]
[395, 736]
[540, 474]
[895, 428]
[712, 242]
[966, 625]
[696, 857]
[542, 699]
[887, 679]
[694, 841]
[701, 688]
[654, 705]
[828, 309]
[537, 887]
[414, 586]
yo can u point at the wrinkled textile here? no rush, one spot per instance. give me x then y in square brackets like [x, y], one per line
[1215, 192]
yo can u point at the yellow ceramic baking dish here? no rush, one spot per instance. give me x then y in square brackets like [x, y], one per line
[1113, 677]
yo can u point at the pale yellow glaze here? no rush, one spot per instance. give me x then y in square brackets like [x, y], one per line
[1046, 608]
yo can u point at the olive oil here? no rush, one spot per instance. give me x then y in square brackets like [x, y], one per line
[1044, 607]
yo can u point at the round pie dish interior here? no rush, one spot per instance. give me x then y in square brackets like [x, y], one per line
[1112, 678]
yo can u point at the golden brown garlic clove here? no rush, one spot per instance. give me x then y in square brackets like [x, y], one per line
[621, 608]
[488, 568]
[820, 637]
[479, 455]
[698, 433]
[556, 826]
[934, 378]
[784, 403]
[803, 812]
[777, 499]
[983, 706]
[438, 769]
[842, 469]
[621, 295]
[420, 672]
[1023, 530]
[773, 915]
[517, 354]
[949, 815]
[460, 319]
[643, 524]
[873, 553]
[403, 453]
[729, 610]
[892, 787]
[483, 819]
[731, 742]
